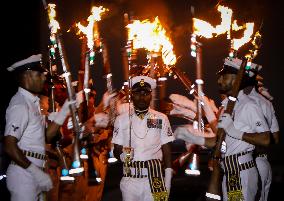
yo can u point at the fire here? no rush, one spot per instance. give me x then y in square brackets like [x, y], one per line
[226, 16]
[205, 29]
[53, 24]
[237, 43]
[152, 37]
[236, 27]
[88, 31]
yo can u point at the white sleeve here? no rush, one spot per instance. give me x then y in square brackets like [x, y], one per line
[166, 133]
[274, 123]
[117, 137]
[256, 119]
[17, 118]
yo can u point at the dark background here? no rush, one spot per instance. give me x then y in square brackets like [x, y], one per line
[25, 32]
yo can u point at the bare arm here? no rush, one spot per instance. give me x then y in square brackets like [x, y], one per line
[167, 155]
[275, 137]
[262, 139]
[14, 152]
[51, 131]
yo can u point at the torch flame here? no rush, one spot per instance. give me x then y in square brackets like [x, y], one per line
[226, 16]
[53, 24]
[237, 43]
[88, 31]
[236, 27]
[205, 29]
[152, 37]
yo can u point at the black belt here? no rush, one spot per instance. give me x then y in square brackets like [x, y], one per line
[231, 163]
[137, 165]
[155, 177]
[34, 155]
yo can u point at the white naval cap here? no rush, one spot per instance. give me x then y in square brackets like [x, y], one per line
[143, 82]
[236, 63]
[232, 65]
[31, 63]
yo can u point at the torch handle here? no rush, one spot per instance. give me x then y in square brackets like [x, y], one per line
[71, 97]
[182, 78]
[86, 78]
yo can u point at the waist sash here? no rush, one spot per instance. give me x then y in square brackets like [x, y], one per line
[155, 177]
[232, 169]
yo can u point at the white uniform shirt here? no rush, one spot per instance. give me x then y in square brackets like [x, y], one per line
[147, 134]
[25, 122]
[267, 109]
[249, 118]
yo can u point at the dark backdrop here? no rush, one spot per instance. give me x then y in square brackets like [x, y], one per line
[25, 32]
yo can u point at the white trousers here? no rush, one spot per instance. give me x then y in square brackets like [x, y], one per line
[265, 172]
[21, 184]
[135, 189]
[249, 179]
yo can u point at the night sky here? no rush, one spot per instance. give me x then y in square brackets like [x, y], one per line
[25, 32]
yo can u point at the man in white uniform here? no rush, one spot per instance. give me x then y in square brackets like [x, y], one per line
[141, 140]
[25, 134]
[244, 129]
[261, 160]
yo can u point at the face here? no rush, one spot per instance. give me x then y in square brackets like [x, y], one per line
[141, 99]
[35, 81]
[225, 83]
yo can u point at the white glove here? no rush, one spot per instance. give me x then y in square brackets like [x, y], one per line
[107, 97]
[42, 179]
[51, 116]
[183, 133]
[226, 122]
[101, 120]
[125, 150]
[168, 179]
[183, 101]
[63, 113]
[182, 112]
[209, 113]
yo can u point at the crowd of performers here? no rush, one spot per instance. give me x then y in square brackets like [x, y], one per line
[46, 165]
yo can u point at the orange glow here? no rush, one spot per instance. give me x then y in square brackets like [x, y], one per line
[152, 37]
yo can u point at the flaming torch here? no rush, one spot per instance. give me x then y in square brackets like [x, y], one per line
[237, 43]
[91, 33]
[152, 37]
[205, 29]
[54, 27]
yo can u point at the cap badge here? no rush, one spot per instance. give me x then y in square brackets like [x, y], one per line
[141, 82]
